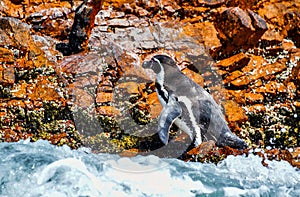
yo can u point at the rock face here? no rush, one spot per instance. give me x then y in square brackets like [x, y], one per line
[246, 54]
[239, 29]
[83, 24]
[31, 100]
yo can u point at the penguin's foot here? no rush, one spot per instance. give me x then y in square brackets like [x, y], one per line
[229, 139]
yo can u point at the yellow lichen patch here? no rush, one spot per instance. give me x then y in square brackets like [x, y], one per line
[127, 142]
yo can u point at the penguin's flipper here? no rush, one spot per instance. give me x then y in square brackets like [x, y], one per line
[170, 112]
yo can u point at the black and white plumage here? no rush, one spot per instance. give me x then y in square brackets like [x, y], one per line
[189, 106]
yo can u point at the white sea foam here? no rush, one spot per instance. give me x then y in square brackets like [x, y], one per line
[40, 169]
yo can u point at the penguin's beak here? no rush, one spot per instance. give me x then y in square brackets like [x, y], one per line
[149, 73]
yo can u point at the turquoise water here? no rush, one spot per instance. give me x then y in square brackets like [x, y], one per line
[40, 169]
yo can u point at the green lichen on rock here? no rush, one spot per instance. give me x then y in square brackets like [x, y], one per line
[126, 142]
[55, 111]
[5, 92]
[208, 158]
[141, 116]
[275, 128]
[33, 73]
[108, 137]
[102, 142]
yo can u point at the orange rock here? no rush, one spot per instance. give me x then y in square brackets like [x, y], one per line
[3, 112]
[288, 45]
[218, 92]
[256, 83]
[1, 73]
[257, 108]
[52, 21]
[210, 36]
[29, 104]
[254, 98]
[13, 8]
[239, 29]
[131, 87]
[234, 62]
[128, 66]
[10, 135]
[55, 138]
[226, 150]
[203, 32]
[108, 110]
[21, 32]
[255, 62]
[260, 26]
[104, 97]
[7, 76]
[237, 95]
[16, 103]
[291, 89]
[281, 16]
[242, 4]
[241, 81]
[234, 112]
[89, 81]
[117, 3]
[271, 37]
[43, 90]
[118, 22]
[273, 88]
[19, 90]
[297, 74]
[82, 98]
[155, 106]
[6, 55]
[295, 154]
[37, 104]
[258, 68]
[203, 149]
[209, 3]
[232, 76]
[194, 76]
[5, 39]
[129, 153]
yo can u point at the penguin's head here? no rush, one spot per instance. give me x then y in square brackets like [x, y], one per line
[159, 63]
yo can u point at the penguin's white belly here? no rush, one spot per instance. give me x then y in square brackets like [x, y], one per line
[183, 126]
[195, 126]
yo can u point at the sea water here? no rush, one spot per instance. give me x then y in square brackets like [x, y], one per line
[41, 169]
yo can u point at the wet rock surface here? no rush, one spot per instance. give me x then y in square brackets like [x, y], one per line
[245, 54]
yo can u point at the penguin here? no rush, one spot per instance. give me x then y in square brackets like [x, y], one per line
[188, 106]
